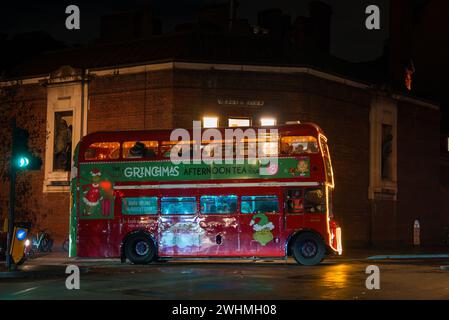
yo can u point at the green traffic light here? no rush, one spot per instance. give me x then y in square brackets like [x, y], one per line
[23, 162]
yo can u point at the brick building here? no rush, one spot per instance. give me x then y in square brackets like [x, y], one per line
[170, 80]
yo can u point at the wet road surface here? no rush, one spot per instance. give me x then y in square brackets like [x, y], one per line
[334, 279]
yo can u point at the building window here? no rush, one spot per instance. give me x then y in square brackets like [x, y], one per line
[66, 123]
[239, 122]
[387, 152]
[383, 148]
[267, 122]
[210, 122]
[62, 148]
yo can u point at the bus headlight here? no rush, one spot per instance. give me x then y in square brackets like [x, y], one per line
[339, 245]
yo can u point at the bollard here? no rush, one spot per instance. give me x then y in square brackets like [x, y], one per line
[416, 233]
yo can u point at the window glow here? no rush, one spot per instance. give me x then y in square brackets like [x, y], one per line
[267, 122]
[233, 122]
[210, 122]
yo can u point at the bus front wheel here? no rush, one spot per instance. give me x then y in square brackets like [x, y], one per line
[140, 249]
[308, 249]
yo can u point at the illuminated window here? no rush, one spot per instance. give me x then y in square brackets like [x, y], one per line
[314, 201]
[298, 145]
[102, 151]
[259, 204]
[218, 204]
[239, 122]
[267, 122]
[210, 122]
[268, 144]
[167, 146]
[178, 205]
[140, 149]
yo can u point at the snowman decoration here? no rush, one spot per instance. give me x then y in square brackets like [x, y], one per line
[262, 228]
[92, 196]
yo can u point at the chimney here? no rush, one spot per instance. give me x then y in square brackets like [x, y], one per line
[319, 25]
[274, 21]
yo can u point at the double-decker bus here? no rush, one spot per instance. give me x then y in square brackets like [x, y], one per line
[129, 200]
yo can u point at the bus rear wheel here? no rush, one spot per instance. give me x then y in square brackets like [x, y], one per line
[308, 249]
[140, 249]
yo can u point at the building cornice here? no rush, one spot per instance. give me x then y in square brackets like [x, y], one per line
[179, 65]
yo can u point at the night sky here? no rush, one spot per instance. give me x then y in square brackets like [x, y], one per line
[349, 38]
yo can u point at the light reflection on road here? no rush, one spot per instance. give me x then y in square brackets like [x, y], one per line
[334, 279]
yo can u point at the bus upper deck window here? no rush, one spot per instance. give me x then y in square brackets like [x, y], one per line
[298, 145]
[140, 149]
[102, 151]
[179, 146]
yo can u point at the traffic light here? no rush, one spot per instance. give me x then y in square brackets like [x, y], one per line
[22, 158]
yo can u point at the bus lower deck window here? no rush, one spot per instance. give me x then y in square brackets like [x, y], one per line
[314, 201]
[218, 204]
[259, 204]
[178, 205]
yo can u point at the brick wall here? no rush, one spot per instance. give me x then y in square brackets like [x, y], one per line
[44, 210]
[130, 102]
[342, 112]
[418, 175]
[168, 99]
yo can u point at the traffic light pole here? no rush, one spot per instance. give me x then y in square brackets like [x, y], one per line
[12, 200]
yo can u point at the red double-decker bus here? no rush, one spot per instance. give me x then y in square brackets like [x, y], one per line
[130, 201]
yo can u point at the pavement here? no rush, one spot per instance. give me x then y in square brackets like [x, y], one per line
[404, 274]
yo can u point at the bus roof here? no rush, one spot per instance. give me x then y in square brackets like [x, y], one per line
[164, 134]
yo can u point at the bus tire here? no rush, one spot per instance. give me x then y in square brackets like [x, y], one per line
[140, 248]
[308, 249]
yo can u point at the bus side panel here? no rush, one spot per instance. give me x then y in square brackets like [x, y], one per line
[100, 236]
[260, 233]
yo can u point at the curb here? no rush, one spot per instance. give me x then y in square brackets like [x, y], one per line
[46, 273]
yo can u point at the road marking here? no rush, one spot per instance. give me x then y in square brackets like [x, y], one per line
[410, 256]
[24, 291]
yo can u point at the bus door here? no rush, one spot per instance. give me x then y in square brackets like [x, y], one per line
[293, 210]
[219, 225]
[179, 233]
[260, 225]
